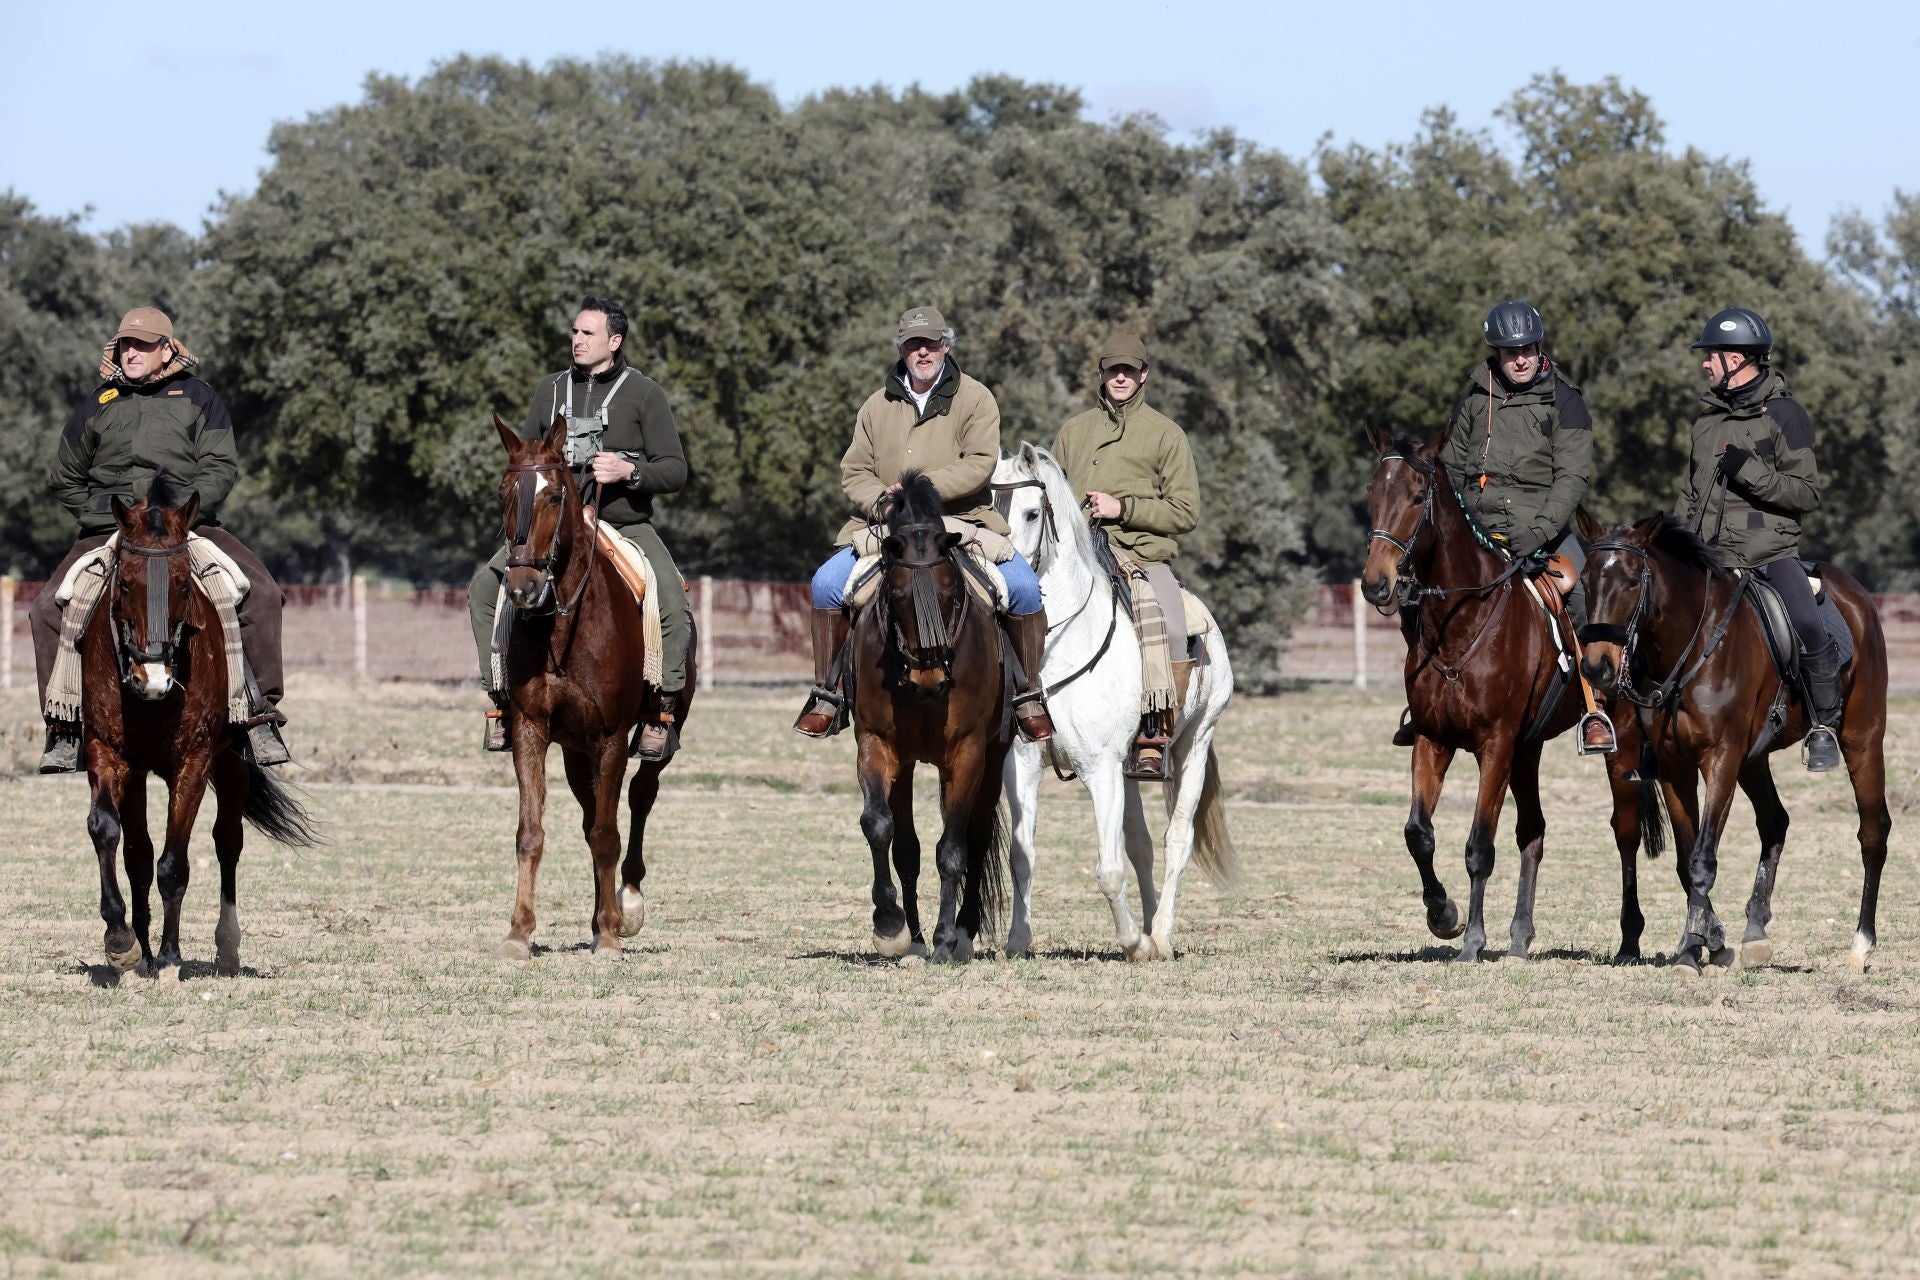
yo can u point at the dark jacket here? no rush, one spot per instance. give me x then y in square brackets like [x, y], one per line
[1522, 459]
[123, 432]
[640, 427]
[1754, 518]
[1140, 456]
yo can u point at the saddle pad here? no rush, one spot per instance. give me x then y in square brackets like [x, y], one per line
[205, 556]
[988, 546]
[631, 563]
[864, 582]
[1782, 644]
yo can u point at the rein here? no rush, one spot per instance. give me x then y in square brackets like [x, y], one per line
[1628, 636]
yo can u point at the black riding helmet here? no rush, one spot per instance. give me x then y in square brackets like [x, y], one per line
[1736, 329]
[1514, 323]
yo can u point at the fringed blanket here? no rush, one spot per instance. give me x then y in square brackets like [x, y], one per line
[631, 563]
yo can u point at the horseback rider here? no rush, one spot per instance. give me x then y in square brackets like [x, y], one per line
[1520, 453]
[1134, 466]
[147, 414]
[1751, 477]
[628, 450]
[932, 418]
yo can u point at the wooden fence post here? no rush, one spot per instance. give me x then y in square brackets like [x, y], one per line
[6, 631]
[1359, 637]
[706, 630]
[359, 625]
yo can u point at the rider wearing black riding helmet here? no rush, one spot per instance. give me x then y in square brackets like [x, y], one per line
[1751, 477]
[1520, 453]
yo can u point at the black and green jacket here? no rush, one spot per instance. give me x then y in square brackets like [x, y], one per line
[1754, 518]
[124, 432]
[1521, 459]
[640, 427]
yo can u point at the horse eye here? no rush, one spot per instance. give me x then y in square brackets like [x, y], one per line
[1033, 515]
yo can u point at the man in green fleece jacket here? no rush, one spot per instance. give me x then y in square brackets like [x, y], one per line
[639, 456]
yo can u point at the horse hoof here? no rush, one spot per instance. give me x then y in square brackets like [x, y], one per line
[167, 975]
[1859, 961]
[1446, 923]
[1687, 965]
[226, 944]
[1627, 956]
[962, 949]
[896, 946]
[633, 911]
[606, 949]
[1724, 958]
[1162, 946]
[123, 952]
[1518, 950]
[1140, 951]
[1755, 953]
[514, 949]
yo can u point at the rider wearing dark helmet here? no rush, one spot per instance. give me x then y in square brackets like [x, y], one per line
[1520, 454]
[1751, 477]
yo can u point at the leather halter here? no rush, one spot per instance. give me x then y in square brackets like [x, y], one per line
[938, 633]
[526, 484]
[163, 634]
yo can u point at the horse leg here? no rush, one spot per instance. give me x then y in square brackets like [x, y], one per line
[1529, 833]
[1430, 761]
[104, 825]
[530, 770]
[1022, 786]
[175, 869]
[1865, 751]
[1683, 812]
[960, 781]
[906, 859]
[879, 770]
[1139, 840]
[641, 793]
[136, 844]
[1703, 931]
[1626, 839]
[1496, 770]
[1770, 816]
[1189, 766]
[601, 819]
[1120, 827]
[230, 785]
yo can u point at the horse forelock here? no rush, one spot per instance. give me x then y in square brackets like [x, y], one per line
[918, 503]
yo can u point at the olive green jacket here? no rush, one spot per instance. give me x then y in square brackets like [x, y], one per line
[640, 428]
[954, 443]
[1534, 447]
[1140, 456]
[1755, 517]
[124, 432]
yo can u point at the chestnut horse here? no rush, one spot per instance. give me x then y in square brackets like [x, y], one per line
[574, 674]
[1479, 674]
[154, 681]
[928, 686]
[1669, 634]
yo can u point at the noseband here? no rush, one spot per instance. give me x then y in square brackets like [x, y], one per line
[526, 476]
[163, 634]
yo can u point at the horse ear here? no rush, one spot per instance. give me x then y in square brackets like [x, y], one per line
[1651, 525]
[510, 441]
[1586, 526]
[950, 540]
[1430, 448]
[1029, 456]
[1380, 440]
[122, 514]
[891, 546]
[557, 434]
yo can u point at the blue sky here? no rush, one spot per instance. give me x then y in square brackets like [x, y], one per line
[1820, 99]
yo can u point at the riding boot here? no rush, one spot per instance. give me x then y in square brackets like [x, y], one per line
[63, 748]
[1147, 761]
[1820, 679]
[499, 736]
[1406, 735]
[1028, 631]
[826, 711]
[658, 739]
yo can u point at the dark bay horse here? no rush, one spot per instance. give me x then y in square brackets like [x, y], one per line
[928, 688]
[574, 672]
[154, 680]
[1479, 674]
[1669, 633]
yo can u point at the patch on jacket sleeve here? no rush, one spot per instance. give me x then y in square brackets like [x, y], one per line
[1571, 407]
[1795, 425]
[109, 394]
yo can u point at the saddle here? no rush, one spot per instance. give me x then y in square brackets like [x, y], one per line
[634, 569]
[983, 552]
[1783, 643]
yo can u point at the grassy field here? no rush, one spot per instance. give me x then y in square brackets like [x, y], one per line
[1309, 1090]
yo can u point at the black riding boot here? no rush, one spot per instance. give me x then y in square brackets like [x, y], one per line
[1820, 680]
[1405, 736]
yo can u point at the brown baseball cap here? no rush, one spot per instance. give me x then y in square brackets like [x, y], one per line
[921, 322]
[149, 324]
[1123, 349]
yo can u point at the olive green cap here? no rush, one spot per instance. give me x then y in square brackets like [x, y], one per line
[1123, 349]
[922, 322]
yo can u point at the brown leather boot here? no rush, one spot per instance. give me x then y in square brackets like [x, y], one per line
[1596, 735]
[1028, 631]
[1182, 681]
[826, 711]
[1147, 761]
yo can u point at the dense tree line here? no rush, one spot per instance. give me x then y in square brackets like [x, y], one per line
[408, 264]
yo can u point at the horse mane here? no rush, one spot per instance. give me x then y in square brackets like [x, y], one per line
[1672, 537]
[918, 503]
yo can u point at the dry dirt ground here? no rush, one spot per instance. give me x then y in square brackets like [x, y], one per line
[1309, 1090]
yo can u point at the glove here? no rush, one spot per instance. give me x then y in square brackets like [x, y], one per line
[1732, 458]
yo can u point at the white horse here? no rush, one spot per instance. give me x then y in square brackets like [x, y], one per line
[1092, 670]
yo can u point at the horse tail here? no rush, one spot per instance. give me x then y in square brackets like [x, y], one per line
[1653, 825]
[274, 812]
[1213, 850]
[990, 880]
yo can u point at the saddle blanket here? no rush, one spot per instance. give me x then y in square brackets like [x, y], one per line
[635, 570]
[79, 593]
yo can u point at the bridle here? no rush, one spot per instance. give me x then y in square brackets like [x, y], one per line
[163, 633]
[1003, 491]
[937, 632]
[1410, 589]
[526, 478]
[1628, 636]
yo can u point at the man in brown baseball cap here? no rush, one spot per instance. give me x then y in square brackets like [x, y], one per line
[148, 413]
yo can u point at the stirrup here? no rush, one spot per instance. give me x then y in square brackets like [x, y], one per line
[264, 742]
[496, 738]
[1139, 771]
[836, 718]
[62, 754]
[1580, 735]
[1828, 757]
[669, 741]
[1033, 698]
[1406, 735]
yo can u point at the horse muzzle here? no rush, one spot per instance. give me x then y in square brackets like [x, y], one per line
[1600, 664]
[531, 597]
[1378, 589]
[151, 681]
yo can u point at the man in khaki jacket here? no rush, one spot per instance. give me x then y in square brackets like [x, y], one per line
[932, 418]
[1134, 466]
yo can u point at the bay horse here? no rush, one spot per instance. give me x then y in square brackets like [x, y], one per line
[929, 687]
[575, 677]
[1479, 674]
[1092, 670]
[1669, 634]
[154, 689]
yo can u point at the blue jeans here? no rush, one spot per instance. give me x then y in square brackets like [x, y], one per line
[830, 582]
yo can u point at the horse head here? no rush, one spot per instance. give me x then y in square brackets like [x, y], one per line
[539, 512]
[152, 589]
[1627, 579]
[1399, 509]
[1029, 488]
[926, 599]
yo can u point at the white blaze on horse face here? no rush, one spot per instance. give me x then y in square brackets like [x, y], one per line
[539, 482]
[154, 680]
